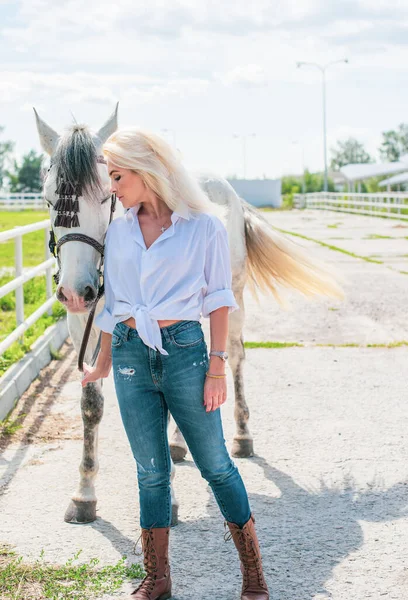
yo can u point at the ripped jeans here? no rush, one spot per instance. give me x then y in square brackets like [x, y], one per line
[148, 385]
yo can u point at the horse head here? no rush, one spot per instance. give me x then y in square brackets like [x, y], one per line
[77, 191]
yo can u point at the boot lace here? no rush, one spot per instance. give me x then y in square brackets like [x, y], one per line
[250, 560]
[150, 566]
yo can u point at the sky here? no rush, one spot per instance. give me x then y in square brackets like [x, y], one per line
[201, 71]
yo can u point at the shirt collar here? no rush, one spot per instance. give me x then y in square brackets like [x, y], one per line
[182, 211]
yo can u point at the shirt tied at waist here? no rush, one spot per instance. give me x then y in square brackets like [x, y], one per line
[147, 327]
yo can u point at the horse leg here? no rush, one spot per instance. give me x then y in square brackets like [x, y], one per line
[178, 447]
[82, 508]
[242, 446]
[174, 501]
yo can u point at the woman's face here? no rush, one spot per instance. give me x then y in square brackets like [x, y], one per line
[127, 185]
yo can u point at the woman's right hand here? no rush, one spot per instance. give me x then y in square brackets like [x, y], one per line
[100, 371]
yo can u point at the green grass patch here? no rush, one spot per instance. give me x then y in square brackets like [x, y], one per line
[34, 297]
[330, 247]
[34, 290]
[333, 309]
[33, 243]
[70, 581]
[390, 345]
[272, 345]
[277, 345]
[375, 236]
[334, 225]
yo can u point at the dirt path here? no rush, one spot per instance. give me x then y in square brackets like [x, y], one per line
[328, 484]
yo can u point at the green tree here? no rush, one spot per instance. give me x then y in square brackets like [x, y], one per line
[26, 176]
[6, 148]
[395, 143]
[349, 151]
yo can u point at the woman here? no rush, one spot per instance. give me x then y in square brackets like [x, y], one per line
[166, 264]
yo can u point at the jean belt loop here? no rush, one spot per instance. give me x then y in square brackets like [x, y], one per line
[125, 333]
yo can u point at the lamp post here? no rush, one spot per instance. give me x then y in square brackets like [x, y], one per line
[173, 134]
[244, 139]
[323, 69]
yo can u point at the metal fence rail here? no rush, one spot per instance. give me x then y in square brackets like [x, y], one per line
[22, 276]
[22, 201]
[392, 204]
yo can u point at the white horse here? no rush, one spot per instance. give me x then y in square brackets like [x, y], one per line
[260, 257]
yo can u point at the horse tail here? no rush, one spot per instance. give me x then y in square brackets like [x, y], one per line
[275, 261]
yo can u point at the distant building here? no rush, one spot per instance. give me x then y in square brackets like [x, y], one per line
[259, 192]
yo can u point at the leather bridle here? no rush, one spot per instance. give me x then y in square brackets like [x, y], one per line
[55, 246]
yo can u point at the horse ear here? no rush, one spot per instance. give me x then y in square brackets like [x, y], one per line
[48, 137]
[110, 126]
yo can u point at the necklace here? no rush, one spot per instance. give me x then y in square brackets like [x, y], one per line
[162, 228]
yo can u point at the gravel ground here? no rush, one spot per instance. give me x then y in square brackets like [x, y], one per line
[329, 482]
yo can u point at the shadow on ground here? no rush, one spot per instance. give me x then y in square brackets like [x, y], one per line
[304, 534]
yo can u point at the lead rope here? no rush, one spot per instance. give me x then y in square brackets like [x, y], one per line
[88, 326]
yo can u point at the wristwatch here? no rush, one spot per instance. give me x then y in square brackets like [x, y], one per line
[223, 355]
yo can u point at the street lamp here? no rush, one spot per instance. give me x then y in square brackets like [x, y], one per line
[244, 139]
[173, 134]
[323, 68]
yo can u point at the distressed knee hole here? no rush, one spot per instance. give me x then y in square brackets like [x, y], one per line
[127, 372]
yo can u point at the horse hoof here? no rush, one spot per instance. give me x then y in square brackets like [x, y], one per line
[79, 512]
[177, 453]
[242, 447]
[174, 515]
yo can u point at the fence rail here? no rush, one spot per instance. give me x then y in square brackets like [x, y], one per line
[391, 205]
[22, 201]
[22, 277]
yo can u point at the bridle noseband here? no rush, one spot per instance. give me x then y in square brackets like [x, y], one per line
[55, 246]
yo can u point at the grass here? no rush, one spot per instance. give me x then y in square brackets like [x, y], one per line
[375, 236]
[272, 345]
[34, 290]
[334, 225]
[279, 345]
[70, 581]
[8, 427]
[33, 243]
[330, 247]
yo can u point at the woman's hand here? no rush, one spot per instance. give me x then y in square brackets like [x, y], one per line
[99, 371]
[215, 393]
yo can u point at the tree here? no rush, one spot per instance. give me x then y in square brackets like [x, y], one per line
[27, 175]
[395, 143]
[6, 148]
[349, 151]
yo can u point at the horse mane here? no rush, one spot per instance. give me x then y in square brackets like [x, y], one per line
[75, 159]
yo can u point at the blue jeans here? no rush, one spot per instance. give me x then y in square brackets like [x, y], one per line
[148, 385]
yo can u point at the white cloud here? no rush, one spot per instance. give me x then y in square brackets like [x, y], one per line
[246, 75]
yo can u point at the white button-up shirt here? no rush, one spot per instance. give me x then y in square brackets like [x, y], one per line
[186, 272]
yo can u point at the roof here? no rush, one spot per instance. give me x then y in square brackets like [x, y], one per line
[401, 178]
[358, 172]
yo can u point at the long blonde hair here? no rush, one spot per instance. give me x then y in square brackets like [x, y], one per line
[159, 166]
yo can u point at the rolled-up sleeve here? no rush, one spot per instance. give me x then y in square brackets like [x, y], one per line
[105, 320]
[217, 272]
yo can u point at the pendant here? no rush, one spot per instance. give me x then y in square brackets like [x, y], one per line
[163, 229]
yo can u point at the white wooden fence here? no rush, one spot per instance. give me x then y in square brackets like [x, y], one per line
[392, 204]
[22, 201]
[22, 276]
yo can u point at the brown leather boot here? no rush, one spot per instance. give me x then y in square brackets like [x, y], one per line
[157, 583]
[254, 585]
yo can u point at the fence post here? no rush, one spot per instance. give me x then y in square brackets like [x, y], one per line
[18, 263]
[48, 272]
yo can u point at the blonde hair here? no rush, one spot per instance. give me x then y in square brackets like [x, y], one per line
[159, 166]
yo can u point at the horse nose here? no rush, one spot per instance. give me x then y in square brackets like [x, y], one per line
[63, 295]
[88, 293]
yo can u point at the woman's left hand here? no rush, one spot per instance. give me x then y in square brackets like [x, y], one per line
[215, 393]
